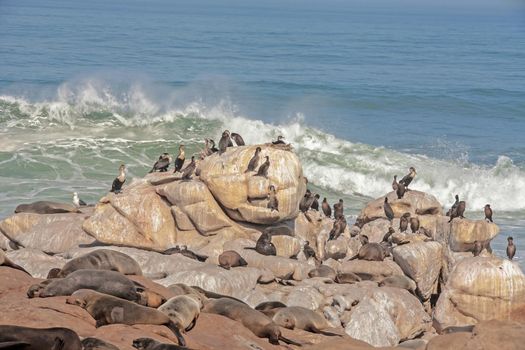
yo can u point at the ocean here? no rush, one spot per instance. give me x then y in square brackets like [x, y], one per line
[361, 90]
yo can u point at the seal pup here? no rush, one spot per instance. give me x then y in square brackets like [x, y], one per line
[280, 140]
[488, 213]
[116, 187]
[107, 309]
[231, 258]
[273, 202]
[188, 171]
[183, 310]
[458, 211]
[407, 179]
[184, 251]
[264, 245]
[97, 344]
[323, 271]
[56, 338]
[292, 317]
[388, 210]
[400, 191]
[254, 162]
[263, 169]
[372, 252]
[102, 259]
[338, 209]
[77, 202]
[257, 322]
[403, 222]
[162, 164]
[152, 344]
[315, 203]
[511, 248]
[4, 261]
[395, 184]
[326, 208]
[238, 139]
[414, 224]
[225, 142]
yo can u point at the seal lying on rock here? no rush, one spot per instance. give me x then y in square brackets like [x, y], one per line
[107, 309]
[102, 259]
[97, 344]
[302, 318]
[257, 322]
[398, 281]
[106, 282]
[46, 207]
[372, 252]
[16, 337]
[152, 344]
[4, 261]
[183, 310]
[323, 271]
[231, 258]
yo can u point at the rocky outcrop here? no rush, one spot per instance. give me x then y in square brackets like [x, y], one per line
[371, 270]
[465, 232]
[244, 195]
[479, 289]
[51, 233]
[35, 261]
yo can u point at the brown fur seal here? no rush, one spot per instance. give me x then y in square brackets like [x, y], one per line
[257, 322]
[414, 224]
[403, 222]
[389, 213]
[264, 245]
[16, 337]
[231, 258]
[399, 281]
[107, 309]
[263, 169]
[326, 208]
[372, 252]
[407, 179]
[152, 344]
[102, 259]
[252, 165]
[4, 261]
[292, 317]
[97, 344]
[347, 277]
[46, 207]
[273, 202]
[183, 310]
[488, 213]
[106, 282]
[323, 271]
[458, 211]
[511, 248]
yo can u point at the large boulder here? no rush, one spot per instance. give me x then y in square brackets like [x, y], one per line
[386, 316]
[244, 195]
[371, 270]
[465, 232]
[413, 202]
[481, 288]
[376, 230]
[51, 233]
[422, 262]
[35, 262]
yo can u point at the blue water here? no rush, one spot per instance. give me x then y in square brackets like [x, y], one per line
[438, 87]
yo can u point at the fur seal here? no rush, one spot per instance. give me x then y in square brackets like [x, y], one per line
[338, 209]
[414, 224]
[395, 184]
[263, 169]
[388, 210]
[225, 142]
[399, 281]
[102, 259]
[152, 344]
[238, 139]
[254, 162]
[403, 222]
[273, 201]
[326, 208]
[116, 186]
[77, 202]
[302, 318]
[181, 157]
[162, 164]
[264, 245]
[458, 211]
[97, 344]
[257, 322]
[231, 258]
[347, 277]
[372, 252]
[511, 248]
[4, 261]
[57, 338]
[488, 213]
[323, 271]
[315, 202]
[280, 141]
[46, 207]
[401, 189]
[183, 250]
[183, 310]
[107, 309]
[407, 179]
